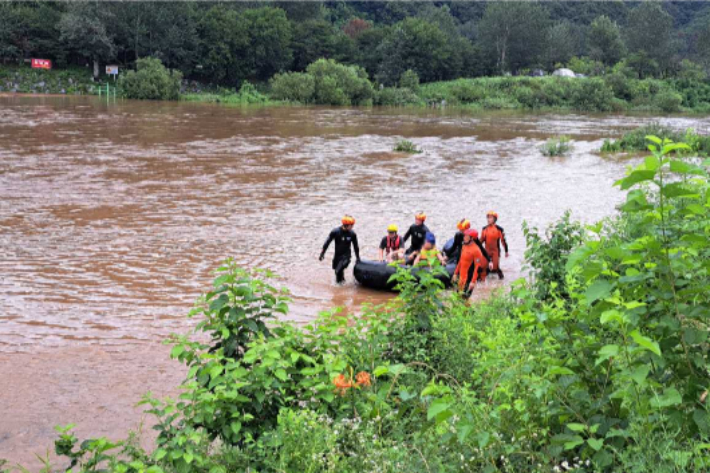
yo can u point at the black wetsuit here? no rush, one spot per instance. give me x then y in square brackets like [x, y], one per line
[454, 253]
[342, 256]
[418, 234]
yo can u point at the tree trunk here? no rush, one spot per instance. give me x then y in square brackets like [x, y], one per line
[96, 68]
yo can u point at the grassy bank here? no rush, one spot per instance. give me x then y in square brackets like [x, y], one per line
[597, 364]
[636, 140]
[25, 80]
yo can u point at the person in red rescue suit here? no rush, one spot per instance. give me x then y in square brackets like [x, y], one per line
[492, 236]
[344, 237]
[472, 264]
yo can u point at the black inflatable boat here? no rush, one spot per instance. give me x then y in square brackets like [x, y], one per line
[376, 275]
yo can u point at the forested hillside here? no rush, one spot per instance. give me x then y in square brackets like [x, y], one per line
[228, 43]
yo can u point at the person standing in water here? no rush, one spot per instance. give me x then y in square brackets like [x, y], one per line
[417, 231]
[344, 237]
[492, 236]
[453, 253]
[391, 246]
[472, 264]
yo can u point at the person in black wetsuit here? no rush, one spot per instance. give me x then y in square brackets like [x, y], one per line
[453, 253]
[418, 233]
[344, 238]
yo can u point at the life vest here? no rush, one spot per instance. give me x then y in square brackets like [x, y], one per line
[391, 246]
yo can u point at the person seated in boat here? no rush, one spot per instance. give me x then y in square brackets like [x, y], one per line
[344, 237]
[453, 253]
[429, 252]
[417, 231]
[472, 264]
[391, 246]
[492, 236]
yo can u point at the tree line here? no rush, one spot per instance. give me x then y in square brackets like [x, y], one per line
[227, 44]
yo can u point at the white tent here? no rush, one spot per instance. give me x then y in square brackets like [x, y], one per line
[564, 73]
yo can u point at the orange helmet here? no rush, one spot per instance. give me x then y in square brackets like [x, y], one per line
[472, 232]
[463, 225]
[493, 214]
[348, 220]
[420, 216]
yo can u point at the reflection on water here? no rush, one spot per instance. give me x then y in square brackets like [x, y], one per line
[112, 216]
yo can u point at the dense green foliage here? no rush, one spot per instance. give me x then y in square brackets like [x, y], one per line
[72, 81]
[151, 80]
[599, 363]
[635, 140]
[227, 43]
[558, 146]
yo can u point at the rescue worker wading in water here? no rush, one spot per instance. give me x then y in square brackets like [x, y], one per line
[472, 264]
[492, 236]
[453, 253]
[418, 233]
[344, 237]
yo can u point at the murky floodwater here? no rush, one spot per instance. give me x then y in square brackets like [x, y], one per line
[112, 217]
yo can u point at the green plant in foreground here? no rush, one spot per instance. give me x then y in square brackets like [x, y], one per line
[556, 146]
[406, 146]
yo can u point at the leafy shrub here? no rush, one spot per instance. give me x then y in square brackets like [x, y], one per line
[409, 80]
[669, 101]
[406, 146]
[546, 256]
[467, 92]
[150, 81]
[592, 95]
[636, 139]
[293, 87]
[338, 84]
[396, 97]
[556, 146]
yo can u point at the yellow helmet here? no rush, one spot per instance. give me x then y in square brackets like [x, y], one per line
[392, 228]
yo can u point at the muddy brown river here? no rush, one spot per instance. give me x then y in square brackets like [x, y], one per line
[112, 217]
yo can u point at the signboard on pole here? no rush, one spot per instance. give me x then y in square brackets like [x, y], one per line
[112, 70]
[41, 63]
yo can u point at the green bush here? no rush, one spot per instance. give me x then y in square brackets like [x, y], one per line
[592, 95]
[391, 96]
[293, 87]
[556, 146]
[338, 84]
[669, 101]
[150, 81]
[409, 80]
[406, 146]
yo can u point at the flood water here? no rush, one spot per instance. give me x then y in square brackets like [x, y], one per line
[112, 217]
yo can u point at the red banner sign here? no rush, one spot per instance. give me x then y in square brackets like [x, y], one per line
[41, 64]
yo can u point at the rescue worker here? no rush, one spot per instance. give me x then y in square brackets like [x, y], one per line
[492, 235]
[391, 246]
[429, 251]
[344, 238]
[472, 264]
[418, 233]
[453, 253]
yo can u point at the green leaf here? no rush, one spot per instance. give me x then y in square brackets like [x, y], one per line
[652, 163]
[188, 457]
[640, 374]
[281, 374]
[606, 352]
[635, 177]
[574, 443]
[483, 439]
[646, 342]
[560, 370]
[176, 351]
[159, 454]
[596, 444]
[600, 289]
[236, 427]
[670, 397]
[380, 370]
[611, 316]
[576, 427]
[681, 167]
[437, 407]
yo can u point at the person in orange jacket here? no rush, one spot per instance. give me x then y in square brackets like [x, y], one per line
[492, 236]
[472, 264]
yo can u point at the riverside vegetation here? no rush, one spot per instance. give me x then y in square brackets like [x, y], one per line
[645, 56]
[598, 362]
